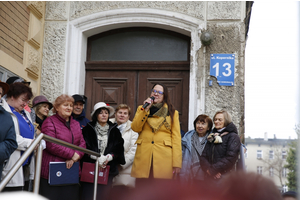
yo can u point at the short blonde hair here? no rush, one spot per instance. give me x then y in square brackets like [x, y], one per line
[60, 100]
[123, 106]
[227, 117]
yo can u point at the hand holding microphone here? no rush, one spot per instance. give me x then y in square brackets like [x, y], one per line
[146, 104]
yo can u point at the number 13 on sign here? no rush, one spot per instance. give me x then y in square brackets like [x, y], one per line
[227, 65]
[222, 67]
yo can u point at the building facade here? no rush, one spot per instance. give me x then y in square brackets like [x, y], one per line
[92, 48]
[268, 157]
[21, 41]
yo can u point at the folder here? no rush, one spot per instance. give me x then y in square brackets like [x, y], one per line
[60, 175]
[88, 173]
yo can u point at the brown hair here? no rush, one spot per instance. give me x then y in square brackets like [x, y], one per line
[97, 112]
[227, 117]
[204, 118]
[17, 89]
[123, 106]
[60, 100]
[166, 99]
[38, 107]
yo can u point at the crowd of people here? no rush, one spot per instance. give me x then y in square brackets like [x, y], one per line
[144, 156]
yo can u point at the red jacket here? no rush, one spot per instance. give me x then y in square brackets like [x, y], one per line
[55, 126]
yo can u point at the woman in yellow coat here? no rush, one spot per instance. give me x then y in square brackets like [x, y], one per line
[158, 153]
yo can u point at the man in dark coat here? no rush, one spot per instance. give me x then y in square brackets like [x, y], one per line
[8, 143]
[78, 110]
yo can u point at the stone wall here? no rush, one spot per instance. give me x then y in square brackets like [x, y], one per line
[223, 19]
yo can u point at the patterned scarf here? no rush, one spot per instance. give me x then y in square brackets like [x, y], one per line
[196, 152]
[102, 136]
[157, 117]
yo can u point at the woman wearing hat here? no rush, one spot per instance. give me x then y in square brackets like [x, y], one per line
[41, 106]
[104, 137]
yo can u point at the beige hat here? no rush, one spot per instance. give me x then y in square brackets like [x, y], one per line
[103, 105]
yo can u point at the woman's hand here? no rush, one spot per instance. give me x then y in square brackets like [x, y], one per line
[150, 101]
[69, 163]
[75, 157]
[217, 176]
[176, 170]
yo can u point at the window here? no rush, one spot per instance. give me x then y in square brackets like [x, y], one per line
[284, 172]
[5, 74]
[284, 154]
[139, 44]
[259, 169]
[271, 154]
[259, 154]
[285, 188]
[271, 171]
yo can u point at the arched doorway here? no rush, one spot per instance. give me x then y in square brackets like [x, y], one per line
[123, 64]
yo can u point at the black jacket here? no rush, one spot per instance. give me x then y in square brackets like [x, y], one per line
[114, 145]
[221, 157]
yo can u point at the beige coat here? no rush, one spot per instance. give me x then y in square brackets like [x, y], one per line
[130, 137]
[162, 149]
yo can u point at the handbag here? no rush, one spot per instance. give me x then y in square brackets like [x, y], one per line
[88, 171]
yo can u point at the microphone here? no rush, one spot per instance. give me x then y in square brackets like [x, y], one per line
[147, 104]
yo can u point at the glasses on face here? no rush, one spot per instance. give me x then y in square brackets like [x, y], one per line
[157, 92]
[24, 100]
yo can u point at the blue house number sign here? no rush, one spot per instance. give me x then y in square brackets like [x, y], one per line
[222, 67]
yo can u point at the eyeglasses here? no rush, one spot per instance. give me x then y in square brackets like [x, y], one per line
[24, 100]
[157, 92]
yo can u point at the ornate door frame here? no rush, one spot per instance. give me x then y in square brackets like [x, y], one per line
[80, 29]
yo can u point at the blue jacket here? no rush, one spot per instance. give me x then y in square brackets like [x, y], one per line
[81, 119]
[186, 175]
[8, 143]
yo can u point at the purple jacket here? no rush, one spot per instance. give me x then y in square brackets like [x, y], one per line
[55, 126]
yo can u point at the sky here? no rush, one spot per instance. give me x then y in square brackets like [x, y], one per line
[271, 70]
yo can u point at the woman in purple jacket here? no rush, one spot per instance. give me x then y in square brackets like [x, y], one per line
[61, 126]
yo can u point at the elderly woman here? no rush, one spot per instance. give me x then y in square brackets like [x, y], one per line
[221, 151]
[17, 98]
[41, 106]
[124, 181]
[158, 154]
[104, 137]
[61, 126]
[193, 144]
[8, 143]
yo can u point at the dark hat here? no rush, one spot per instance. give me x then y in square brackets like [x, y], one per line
[15, 79]
[5, 87]
[289, 194]
[41, 99]
[78, 97]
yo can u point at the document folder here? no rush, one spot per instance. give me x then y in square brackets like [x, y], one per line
[60, 175]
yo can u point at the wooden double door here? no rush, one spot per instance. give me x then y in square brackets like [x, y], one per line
[131, 83]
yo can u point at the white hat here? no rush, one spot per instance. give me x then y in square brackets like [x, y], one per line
[103, 105]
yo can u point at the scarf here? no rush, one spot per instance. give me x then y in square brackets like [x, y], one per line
[102, 136]
[196, 152]
[122, 127]
[157, 117]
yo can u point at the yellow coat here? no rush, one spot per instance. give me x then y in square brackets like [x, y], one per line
[164, 146]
